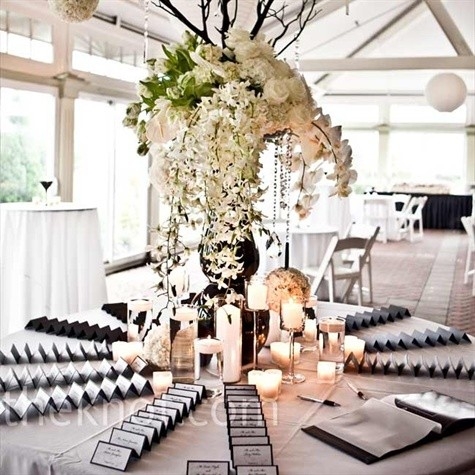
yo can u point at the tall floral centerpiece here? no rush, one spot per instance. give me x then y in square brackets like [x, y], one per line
[206, 112]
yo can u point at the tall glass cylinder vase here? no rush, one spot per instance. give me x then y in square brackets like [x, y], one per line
[183, 331]
[139, 319]
[229, 331]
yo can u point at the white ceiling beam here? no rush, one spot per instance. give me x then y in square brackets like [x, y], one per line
[449, 27]
[387, 64]
[326, 6]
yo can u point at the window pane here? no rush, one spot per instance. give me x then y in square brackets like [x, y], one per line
[365, 146]
[411, 114]
[427, 158]
[18, 24]
[118, 183]
[27, 143]
[342, 114]
[18, 46]
[41, 51]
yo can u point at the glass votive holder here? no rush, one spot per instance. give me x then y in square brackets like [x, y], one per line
[326, 372]
[331, 335]
[355, 346]
[139, 318]
[161, 381]
[212, 347]
[310, 330]
[280, 353]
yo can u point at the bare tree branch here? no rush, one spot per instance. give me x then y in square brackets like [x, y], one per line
[305, 15]
[168, 7]
[262, 11]
[226, 23]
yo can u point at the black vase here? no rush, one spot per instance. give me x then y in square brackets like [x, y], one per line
[249, 255]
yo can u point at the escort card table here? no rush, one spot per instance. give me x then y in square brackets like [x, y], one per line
[63, 443]
[51, 262]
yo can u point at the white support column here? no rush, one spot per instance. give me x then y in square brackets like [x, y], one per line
[64, 166]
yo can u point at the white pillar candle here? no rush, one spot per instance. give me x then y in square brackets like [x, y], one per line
[133, 332]
[326, 371]
[161, 380]
[228, 330]
[256, 296]
[292, 315]
[280, 353]
[310, 330]
[128, 351]
[354, 345]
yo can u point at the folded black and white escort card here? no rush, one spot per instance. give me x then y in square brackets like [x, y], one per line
[93, 351]
[418, 367]
[380, 316]
[111, 456]
[137, 442]
[252, 455]
[207, 467]
[79, 330]
[197, 388]
[257, 470]
[75, 397]
[159, 425]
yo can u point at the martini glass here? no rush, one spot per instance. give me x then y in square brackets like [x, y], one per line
[46, 185]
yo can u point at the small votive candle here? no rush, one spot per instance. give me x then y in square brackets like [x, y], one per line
[128, 351]
[268, 387]
[185, 313]
[354, 345]
[278, 375]
[161, 380]
[280, 353]
[326, 371]
[254, 377]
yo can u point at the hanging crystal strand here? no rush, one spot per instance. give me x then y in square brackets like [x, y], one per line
[287, 168]
[297, 54]
[275, 183]
[145, 29]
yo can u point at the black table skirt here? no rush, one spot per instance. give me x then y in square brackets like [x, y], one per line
[442, 211]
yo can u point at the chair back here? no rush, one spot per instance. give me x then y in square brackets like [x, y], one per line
[469, 226]
[415, 206]
[323, 265]
[401, 202]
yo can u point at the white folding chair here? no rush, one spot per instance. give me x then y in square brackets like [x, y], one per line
[317, 274]
[469, 226]
[414, 215]
[376, 213]
[401, 205]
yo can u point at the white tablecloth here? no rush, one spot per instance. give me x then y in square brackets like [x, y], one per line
[51, 262]
[307, 247]
[64, 443]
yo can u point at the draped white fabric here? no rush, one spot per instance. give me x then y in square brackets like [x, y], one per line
[51, 262]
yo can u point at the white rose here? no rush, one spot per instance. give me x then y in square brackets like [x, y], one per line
[160, 129]
[246, 50]
[297, 89]
[236, 36]
[300, 118]
[282, 69]
[276, 91]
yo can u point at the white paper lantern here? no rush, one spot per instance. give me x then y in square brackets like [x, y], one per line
[445, 92]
